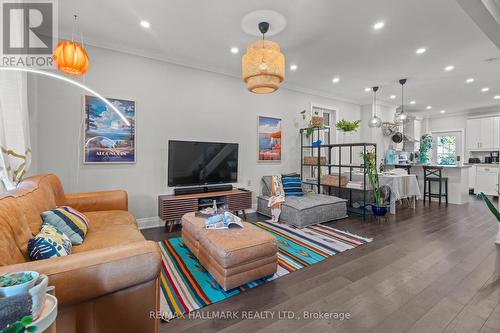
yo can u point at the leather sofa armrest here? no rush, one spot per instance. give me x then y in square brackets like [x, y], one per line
[84, 276]
[97, 201]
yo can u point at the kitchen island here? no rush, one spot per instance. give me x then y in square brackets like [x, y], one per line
[458, 181]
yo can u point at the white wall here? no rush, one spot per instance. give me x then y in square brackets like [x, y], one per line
[374, 135]
[446, 123]
[173, 102]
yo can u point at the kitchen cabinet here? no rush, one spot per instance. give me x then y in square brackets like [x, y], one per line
[483, 133]
[486, 180]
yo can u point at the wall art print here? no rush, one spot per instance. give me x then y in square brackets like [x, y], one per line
[107, 138]
[269, 134]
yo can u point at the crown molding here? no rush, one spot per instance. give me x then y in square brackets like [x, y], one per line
[202, 67]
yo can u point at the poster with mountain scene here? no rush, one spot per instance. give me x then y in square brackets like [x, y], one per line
[107, 138]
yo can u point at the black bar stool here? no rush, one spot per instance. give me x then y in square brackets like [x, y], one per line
[434, 174]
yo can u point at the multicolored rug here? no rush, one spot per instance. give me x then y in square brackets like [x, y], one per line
[187, 286]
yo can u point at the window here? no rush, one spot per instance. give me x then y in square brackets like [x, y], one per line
[446, 150]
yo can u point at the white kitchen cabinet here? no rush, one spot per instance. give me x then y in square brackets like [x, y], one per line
[473, 133]
[472, 176]
[486, 180]
[483, 133]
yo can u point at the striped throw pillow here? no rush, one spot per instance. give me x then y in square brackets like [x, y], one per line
[69, 221]
[292, 186]
[49, 243]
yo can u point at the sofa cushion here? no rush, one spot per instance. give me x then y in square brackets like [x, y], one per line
[266, 185]
[311, 201]
[292, 186]
[49, 243]
[69, 221]
[99, 221]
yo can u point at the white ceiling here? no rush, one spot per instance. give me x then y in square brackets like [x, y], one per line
[325, 38]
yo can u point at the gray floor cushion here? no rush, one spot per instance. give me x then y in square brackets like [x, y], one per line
[307, 210]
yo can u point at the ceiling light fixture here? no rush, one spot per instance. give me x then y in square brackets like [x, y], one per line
[421, 50]
[485, 89]
[449, 68]
[378, 25]
[469, 80]
[401, 117]
[234, 50]
[413, 102]
[293, 67]
[70, 57]
[374, 120]
[442, 111]
[496, 97]
[263, 64]
[392, 97]
[428, 107]
[336, 79]
[367, 89]
[145, 24]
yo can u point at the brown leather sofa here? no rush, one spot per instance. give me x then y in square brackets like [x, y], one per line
[110, 282]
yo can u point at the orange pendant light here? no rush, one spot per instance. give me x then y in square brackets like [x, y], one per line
[263, 65]
[70, 57]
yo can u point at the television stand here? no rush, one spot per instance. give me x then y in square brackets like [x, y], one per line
[172, 207]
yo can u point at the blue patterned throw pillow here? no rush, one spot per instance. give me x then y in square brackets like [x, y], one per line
[292, 186]
[69, 221]
[49, 243]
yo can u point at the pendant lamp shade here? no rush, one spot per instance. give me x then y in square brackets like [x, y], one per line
[71, 58]
[375, 121]
[400, 116]
[263, 66]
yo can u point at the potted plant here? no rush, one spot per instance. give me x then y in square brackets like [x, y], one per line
[316, 121]
[378, 207]
[17, 283]
[22, 326]
[425, 148]
[347, 127]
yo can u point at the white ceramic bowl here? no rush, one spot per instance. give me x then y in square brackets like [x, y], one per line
[20, 288]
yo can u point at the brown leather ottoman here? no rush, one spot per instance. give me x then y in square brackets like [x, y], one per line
[233, 256]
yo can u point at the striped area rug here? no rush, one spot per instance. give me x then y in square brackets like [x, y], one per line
[187, 286]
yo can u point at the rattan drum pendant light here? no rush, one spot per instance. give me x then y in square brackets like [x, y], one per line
[263, 66]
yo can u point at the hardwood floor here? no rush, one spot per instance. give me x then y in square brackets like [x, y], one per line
[432, 269]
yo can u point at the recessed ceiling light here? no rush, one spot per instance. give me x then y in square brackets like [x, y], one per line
[496, 97]
[336, 80]
[293, 67]
[413, 102]
[421, 50]
[485, 89]
[234, 50]
[428, 107]
[145, 24]
[392, 96]
[378, 25]
[469, 80]
[442, 111]
[367, 89]
[449, 68]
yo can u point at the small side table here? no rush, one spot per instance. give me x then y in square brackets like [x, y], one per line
[46, 322]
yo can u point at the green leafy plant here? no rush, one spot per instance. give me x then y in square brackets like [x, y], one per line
[20, 326]
[370, 159]
[491, 206]
[311, 126]
[9, 280]
[347, 126]
[425, 147]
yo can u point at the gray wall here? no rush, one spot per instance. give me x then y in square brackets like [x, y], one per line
[173, 102]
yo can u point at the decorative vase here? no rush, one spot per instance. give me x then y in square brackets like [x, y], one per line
[347, 137]
[379, 210]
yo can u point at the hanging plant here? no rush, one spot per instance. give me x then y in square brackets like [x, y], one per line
[347, 126]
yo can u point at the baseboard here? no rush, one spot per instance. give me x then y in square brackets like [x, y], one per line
[150, 222]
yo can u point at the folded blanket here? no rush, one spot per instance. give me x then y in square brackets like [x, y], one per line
[277, 198]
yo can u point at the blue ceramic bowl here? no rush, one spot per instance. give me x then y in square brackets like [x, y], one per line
[379, 210]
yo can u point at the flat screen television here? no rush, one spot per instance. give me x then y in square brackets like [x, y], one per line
[201, 163]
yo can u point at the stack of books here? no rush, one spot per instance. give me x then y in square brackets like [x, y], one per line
[355, 184]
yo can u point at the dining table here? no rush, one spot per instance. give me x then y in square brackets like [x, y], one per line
[402, 187]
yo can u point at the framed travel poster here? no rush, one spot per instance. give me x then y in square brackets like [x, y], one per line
[269, 134]
[107, 138]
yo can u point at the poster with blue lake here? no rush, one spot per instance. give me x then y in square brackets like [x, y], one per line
[269, 133]
[107, 138]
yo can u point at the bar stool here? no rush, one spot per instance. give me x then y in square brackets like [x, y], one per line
[434, 174]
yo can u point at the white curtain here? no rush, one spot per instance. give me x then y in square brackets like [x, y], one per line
[15, 154]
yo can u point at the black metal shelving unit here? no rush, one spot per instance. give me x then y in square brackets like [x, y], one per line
[336, 150]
